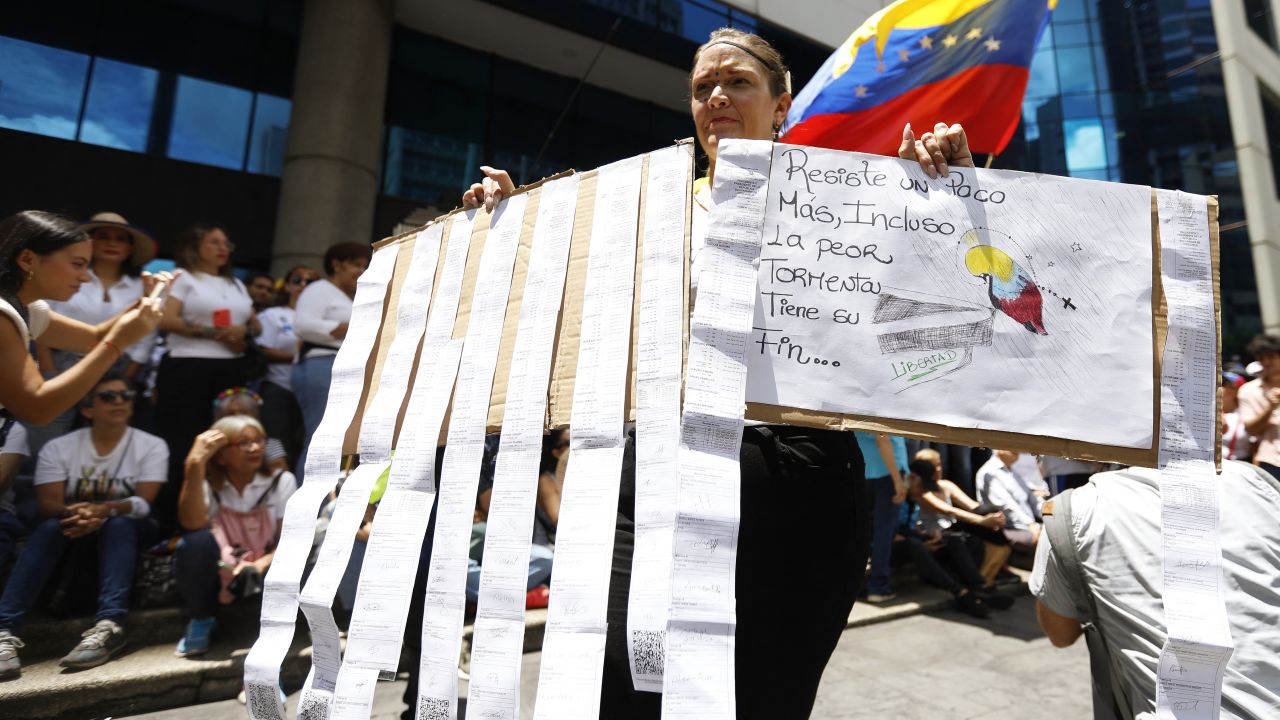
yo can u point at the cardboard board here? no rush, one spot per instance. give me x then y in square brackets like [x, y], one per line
[564, 363]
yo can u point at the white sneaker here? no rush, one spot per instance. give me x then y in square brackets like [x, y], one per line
[874, 598]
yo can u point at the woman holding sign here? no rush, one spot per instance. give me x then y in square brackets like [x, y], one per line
[802, 546]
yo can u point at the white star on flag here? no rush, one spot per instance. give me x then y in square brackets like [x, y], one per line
[903, 55]
[973, 34]
[860, 91]
[880, 66]
[992, 44]
[949, 40]
[926, 42]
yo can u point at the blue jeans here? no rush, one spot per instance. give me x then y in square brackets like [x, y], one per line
[884, 524]
[540, 557]
[311, 379]
[118, 541]
[195, 567]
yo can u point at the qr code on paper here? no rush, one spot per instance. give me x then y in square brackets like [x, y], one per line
[430, 708]
[313, 707]
[263, 702]
[648, 647]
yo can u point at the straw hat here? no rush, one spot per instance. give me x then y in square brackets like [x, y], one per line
[144, 246]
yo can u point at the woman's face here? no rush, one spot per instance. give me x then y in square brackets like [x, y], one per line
[214, 249]
[346, 272]
[111, 244]
[730, 98]
[297, 281]
[58, 275]
[244, 454]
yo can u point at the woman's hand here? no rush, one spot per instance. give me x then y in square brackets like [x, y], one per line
[136, 323]
[490, 190]
[936, 151]
[150, 280]
[207, 444]
[233, 337]
[993, 521]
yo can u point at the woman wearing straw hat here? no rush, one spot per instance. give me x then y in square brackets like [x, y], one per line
[115, 282]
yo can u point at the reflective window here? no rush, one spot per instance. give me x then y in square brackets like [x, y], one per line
[1070, 34]
[1271, 118]
[1080, 106]
[40, 88]
[430, 167]
[1258, 13]
[210, 123]
[1069, 10]
[1086, 145]
[1075, 70]
[699, 17]
[1044, 74]
[118, 110]
[267, 138]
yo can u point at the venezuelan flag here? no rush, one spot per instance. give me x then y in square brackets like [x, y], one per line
[923, 61]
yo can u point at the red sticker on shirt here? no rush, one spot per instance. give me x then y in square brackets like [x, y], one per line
[222, 318]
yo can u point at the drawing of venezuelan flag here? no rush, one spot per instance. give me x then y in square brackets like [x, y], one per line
[923, 61]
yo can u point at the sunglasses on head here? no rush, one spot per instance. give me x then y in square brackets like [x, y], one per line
[304, 281]
[111, 396]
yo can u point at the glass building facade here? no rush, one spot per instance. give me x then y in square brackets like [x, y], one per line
[1133, 92]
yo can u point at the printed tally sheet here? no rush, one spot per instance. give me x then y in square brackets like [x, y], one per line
[498, 640]
[377, 429]
[324, 457]
[573, 649]
[395, 540]
[660, 355]
[699, 679]
[1199, 644]
[459, 475]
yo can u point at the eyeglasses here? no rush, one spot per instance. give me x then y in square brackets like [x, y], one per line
[247, 445]
[112, 396]
[303, 281]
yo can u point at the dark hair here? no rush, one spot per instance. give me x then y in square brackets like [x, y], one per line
[111, 376]
[186, 251]
[260, 274]
[554, 440]
[293, 270]
[345, 251]
[755, 46]
[43, 233]
[926, 471]
[1264, 345]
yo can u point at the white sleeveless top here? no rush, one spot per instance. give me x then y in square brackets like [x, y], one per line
[38, 311]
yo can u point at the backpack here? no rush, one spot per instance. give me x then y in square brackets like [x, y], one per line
[1109, 702]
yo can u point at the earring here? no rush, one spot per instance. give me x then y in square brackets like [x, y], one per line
[777, 127]
[31, 274]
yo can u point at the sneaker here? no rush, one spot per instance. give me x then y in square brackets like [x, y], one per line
[1007, 577]
[10, 644]
[972, 605]
[198, 637]
[98, 644]
[881, 597]
[995, 600]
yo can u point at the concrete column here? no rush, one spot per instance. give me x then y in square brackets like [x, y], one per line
[330, 180]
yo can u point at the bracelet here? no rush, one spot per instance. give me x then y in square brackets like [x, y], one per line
[113, 346]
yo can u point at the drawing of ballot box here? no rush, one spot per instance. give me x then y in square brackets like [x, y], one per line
[926, 337]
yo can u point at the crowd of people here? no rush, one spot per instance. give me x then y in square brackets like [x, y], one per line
[176, 428]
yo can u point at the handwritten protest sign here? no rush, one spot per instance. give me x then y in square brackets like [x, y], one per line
[1010, 302]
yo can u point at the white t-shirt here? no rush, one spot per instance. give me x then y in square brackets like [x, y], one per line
[93, 304]
[203, 296]
[15, 444]
[1115, 521]
[322, 306]
[245, 501]
[137, 458]
[277, 334]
